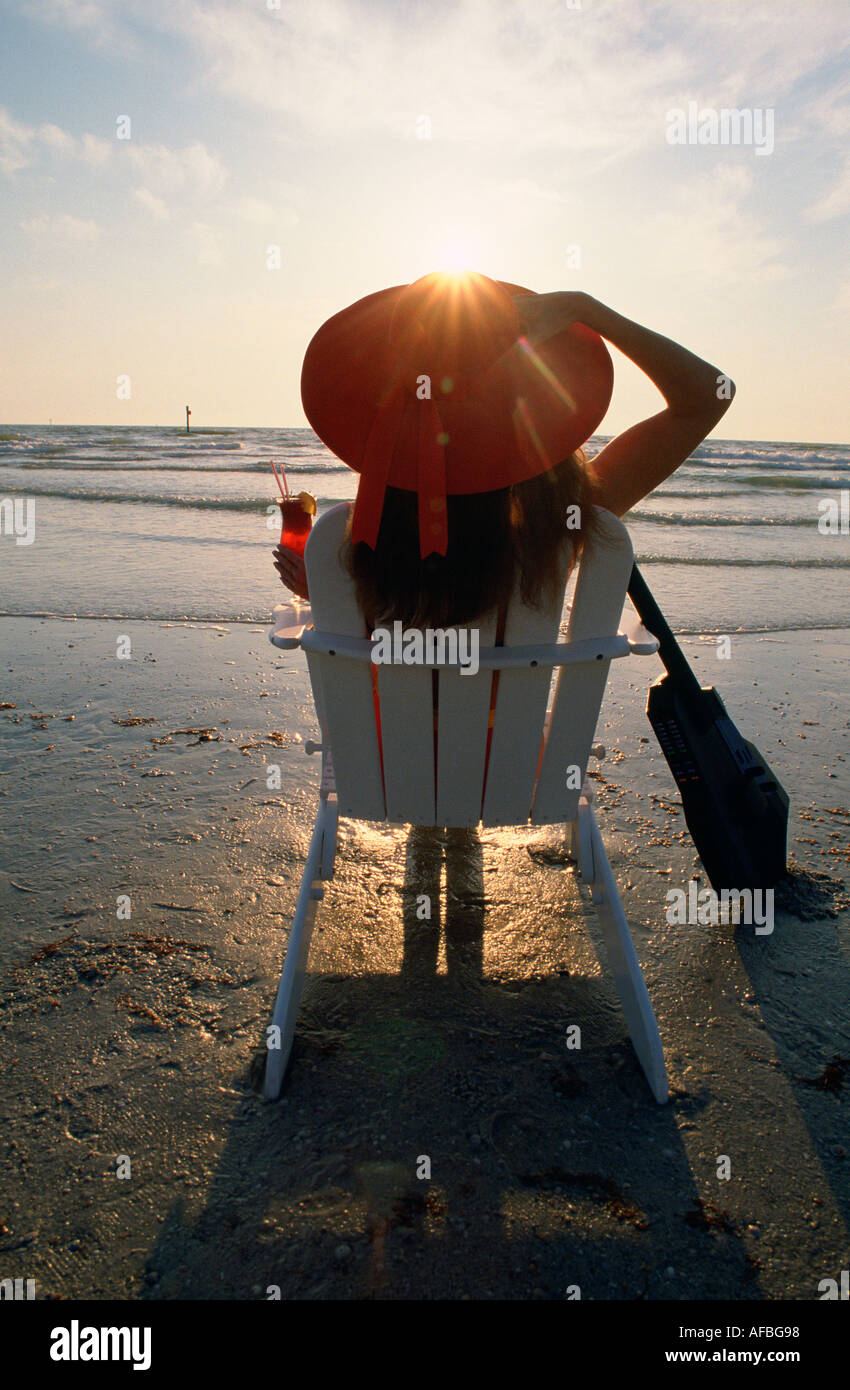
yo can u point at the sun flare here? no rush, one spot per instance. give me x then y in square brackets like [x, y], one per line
[455, 258]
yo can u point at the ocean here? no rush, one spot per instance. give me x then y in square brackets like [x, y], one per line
[156, 806]
[152, 523]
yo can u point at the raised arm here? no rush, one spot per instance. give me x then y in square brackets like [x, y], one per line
[697, 395]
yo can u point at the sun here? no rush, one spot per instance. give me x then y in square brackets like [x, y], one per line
[454, 257]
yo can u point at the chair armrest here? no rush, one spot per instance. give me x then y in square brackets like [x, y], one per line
[641, 641]
[288, 623]
[579, 653]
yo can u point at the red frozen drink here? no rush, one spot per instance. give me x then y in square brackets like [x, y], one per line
[296, 520]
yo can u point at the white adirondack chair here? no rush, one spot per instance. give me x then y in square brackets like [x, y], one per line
[516, 793]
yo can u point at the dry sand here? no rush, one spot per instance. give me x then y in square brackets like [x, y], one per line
[549, 1167]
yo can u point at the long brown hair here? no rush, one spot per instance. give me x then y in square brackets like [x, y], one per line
[493, 539]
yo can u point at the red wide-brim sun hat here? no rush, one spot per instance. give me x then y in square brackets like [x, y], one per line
[432, 387]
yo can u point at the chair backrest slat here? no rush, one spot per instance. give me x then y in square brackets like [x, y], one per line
[596, 610]
[520, 711]
[343, 689]
[463, 713]
[407, 733]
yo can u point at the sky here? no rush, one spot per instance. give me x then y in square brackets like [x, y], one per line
[188, 188]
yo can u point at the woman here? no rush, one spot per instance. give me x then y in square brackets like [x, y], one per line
[484, 342]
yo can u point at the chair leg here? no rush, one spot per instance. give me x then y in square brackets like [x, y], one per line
[626, 970]
[581, 846]
[329, 838]
[282, 1028]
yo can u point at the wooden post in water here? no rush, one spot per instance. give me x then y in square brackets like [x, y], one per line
[188, 413]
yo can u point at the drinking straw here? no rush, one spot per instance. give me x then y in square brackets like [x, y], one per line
[284, 495]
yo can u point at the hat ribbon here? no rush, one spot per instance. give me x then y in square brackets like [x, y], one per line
[430, 473]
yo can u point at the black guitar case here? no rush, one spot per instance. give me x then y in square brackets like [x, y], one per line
[735, 808]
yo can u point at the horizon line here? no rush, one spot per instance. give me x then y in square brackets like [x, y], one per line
[200, 429]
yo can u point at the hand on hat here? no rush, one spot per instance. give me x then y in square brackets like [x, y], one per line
[542, 316]
[290, 566]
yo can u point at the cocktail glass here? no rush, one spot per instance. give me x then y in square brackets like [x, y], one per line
[296, 514]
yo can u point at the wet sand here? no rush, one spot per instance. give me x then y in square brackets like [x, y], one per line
[139, 1038]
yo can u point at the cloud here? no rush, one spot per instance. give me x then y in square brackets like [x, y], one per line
[152, 204]
[353, 69]
[207, 242]
[192, 169]
[705, 229]
[834, 203]
[255, 210]
[170, 175]
[524, 189]
[61, 228]
[15, 141]
[841, 304]
[99, 21]
[828, 112]
[94, 150]
[529, 75]
[74, 14]
[55, 139]
[532, 73]
[23, 146]
[752, 54]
